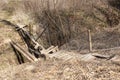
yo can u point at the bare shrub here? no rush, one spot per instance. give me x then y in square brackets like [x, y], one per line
[61, 17]
[114, 3]
[65, 19]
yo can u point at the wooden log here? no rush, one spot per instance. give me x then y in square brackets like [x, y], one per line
[90, 40]
[31, 39]
[28, 55]
[23, 53]
[108, 57]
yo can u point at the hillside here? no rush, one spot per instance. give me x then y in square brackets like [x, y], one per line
[62, 23]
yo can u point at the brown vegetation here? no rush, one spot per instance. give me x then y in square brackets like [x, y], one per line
[64, 19]
[65, 23]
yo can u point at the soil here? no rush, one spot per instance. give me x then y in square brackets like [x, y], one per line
[74, 62]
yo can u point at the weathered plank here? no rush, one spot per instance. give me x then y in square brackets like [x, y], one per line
[29, 56]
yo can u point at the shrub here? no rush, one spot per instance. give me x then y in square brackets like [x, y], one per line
[114, 3]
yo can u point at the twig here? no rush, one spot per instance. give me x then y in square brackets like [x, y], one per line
[40, 34]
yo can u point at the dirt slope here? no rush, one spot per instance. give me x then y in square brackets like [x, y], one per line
[59, 70]
[104, 24]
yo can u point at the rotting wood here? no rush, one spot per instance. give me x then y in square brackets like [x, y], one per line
[103, 56]
[90, 40]
[28, 39]
[50, 50]
[18, 55]
[22, 53]
[30, 57]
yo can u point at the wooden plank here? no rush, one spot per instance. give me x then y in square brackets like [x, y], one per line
[50, 49]
[108, 57]
[90, 40]
[23, 53]
[28, 55]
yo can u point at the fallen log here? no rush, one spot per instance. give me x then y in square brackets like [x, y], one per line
[108, 57]
[108, 49]
[24, 52]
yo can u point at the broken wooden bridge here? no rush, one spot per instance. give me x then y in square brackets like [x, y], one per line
[35, 51]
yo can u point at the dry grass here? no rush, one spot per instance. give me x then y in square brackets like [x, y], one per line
[58, 70]
[65, 20]
[7, 54]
